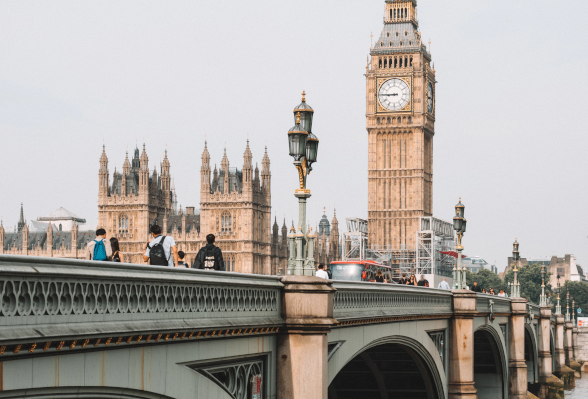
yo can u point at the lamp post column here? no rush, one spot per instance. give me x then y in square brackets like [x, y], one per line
[459, 225]
[515, 291]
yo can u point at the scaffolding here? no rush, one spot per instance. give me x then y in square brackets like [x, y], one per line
[434, 237]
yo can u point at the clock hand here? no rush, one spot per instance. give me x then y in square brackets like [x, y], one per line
[393, 94]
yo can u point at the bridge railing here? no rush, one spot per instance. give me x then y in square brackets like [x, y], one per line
[359, 300]
[45, 297]
[486, 304]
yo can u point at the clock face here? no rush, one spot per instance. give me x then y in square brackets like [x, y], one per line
[430, 97]
[394, 94]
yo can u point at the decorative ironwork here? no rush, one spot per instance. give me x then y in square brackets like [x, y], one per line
[39, 297]
[491, 308]
[503, 329]
[438, 338]
[234, 377]
[333, 347]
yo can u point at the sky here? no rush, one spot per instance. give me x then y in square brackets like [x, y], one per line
[510, 136]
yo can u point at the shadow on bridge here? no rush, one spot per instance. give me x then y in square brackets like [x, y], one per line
[490, 366]
[396, 367]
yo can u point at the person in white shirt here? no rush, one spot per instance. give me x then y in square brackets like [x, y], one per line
[169, 248]
[322, 273]
[443, 285]
[502, 293]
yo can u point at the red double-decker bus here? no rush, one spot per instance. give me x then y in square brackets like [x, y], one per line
[359, 270]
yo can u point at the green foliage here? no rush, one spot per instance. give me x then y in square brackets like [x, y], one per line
[486, 279]
[530, 281]
[579, 292]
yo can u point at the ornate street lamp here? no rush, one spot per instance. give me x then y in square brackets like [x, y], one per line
[515, 291]
[303, 146]
[567, 305]
[543, 298]
[459, 224]
[558, 306]
[574, 312]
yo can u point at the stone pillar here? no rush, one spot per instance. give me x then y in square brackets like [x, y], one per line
[549, 385]
[575, 342]
[307, 308]
[562, 371]
[461, 346]
[569, 345]
[517, 378]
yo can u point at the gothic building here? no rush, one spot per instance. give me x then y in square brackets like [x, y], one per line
[235, 205]
[328, 240]
[400, 119]
[49, 242]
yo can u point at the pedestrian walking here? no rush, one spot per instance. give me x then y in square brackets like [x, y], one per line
[161, 251]
[423, 282]
[321, 272]
[476, 287]
[412, 280]
[379, 277]
[181, 262]
[443, 285]
[117, 256]
[403, 280]
[99, 249]
[210, 257]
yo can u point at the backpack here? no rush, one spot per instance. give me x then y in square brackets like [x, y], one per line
[157, 254]
[210, 262]
[99, 251]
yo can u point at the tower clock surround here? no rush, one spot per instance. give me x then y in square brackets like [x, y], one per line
[400, 118]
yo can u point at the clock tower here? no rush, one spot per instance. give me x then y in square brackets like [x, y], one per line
[400, 119]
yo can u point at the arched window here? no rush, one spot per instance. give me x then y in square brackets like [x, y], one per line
[226, 222]
[60, 227]
[396, 33]
[388, 119]
[410, 119]
[378, 121]
[387, 34]
[123, 224]
[390, 43]
[401, 42]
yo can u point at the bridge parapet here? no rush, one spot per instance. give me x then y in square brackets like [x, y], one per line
[69, 300]
[359, 300]
[492, 304]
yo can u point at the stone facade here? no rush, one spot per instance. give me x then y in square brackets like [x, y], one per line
[400, 118]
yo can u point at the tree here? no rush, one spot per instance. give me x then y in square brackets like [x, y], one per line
[530, 280]
[485, 279]
[578, 291]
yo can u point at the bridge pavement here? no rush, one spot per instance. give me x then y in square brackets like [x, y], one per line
[79, 329]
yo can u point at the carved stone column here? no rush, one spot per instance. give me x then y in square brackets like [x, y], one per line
[461, 346]
[517, 378]
[562, 371]
[549, 385]
[307, 308]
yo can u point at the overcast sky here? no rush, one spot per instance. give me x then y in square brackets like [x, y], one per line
[511, 105]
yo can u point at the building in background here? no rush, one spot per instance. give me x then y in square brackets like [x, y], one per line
[400, 121]
[328, 240]
[475, 264]
[45, 239]
[63, 220]
[565, 267]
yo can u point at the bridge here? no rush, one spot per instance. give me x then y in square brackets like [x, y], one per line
[82, 329]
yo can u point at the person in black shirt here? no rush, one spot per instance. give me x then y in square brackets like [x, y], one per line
[210, 257]
[181, 262]
[403, 280]
[379, 277]
[423, 282]
[476, 287]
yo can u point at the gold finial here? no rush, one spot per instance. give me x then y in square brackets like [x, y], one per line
[324, 209]
[459, 199]
[298, 116]
[303, 96]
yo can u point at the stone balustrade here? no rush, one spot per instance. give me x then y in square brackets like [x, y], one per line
[359, 300]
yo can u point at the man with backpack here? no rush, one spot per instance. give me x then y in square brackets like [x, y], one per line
[100, 248]
[161, 251]
[210, 257]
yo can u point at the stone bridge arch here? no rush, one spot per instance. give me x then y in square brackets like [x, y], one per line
[531, 355]
[490, 363]
[417, 353]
